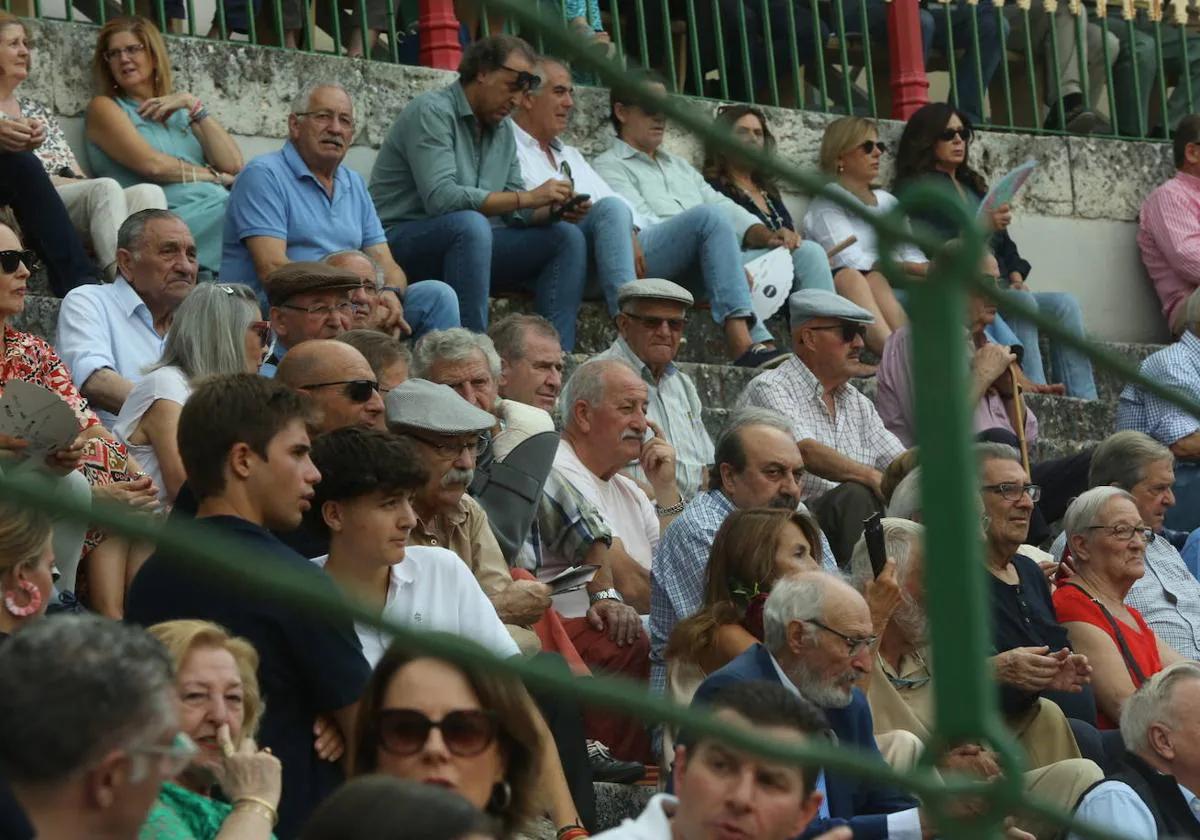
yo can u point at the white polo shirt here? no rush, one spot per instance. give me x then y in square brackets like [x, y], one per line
[432, 589]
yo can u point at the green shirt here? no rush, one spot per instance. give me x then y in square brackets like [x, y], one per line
[437, 158]
[665, 185]
[179, 814]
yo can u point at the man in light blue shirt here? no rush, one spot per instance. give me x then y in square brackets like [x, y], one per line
[1152, 794]
[301, 204]
[108, 334]
[448, 189]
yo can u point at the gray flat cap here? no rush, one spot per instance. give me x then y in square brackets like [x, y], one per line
[421, 404]
[807, 304]
[655, 289]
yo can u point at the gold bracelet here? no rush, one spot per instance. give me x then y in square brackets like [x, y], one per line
[260, 806]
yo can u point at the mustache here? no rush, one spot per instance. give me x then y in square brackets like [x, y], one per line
[630, 434]
[784, 501]
[457, 476]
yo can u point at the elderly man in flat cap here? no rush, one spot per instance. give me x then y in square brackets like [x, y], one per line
[308, 300]
[449, 433]
[843, 441]
[650, 323]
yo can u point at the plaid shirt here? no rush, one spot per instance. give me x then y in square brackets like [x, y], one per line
[1176, 366]
[854, 429]
[1167, 596]
[566, 526]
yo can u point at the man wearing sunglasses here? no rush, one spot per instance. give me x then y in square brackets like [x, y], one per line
[338, 380]
[448, 189]
[300, 204]
[108, 334]
[840, 434]
[308, 300]
[819, 641]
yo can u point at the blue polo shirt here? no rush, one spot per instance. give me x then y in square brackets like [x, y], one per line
[277, 195]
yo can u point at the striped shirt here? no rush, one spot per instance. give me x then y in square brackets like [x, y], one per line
[1169, 239]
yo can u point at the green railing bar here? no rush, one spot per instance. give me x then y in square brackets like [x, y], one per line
[1137, 84]
[794, 52]
[363, 29]
[694, 45]
[616, 33]
[1110, 89]
[1080, 43]
[1030, 66]
[280, 38]
[1187, 75]
[743, 39]
[1162, 74]
[951, 57]
[719, 34]
[220, 12]
[822, 84]
[844, 52]
[159, 7]
[251, 23]
[977, 58]
[484, 25]
[1006, 76]
[337, 27]
[868, 63]
[1054, 58]
[772, 82]
[669, 39]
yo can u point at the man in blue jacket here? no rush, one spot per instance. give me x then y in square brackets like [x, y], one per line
[818, 641]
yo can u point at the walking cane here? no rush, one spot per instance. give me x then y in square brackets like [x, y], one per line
[1019, 411]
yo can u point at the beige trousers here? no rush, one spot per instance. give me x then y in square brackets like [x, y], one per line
[1063, 32]
[98, 206]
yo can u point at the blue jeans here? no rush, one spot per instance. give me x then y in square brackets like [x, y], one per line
[1185, 515]
[475, 258]
[937, 31]
[1067, 365]
[430, 305]
[700, 236]
[810, 271]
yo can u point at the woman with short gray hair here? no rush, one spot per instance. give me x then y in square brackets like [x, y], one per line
[1107, 540]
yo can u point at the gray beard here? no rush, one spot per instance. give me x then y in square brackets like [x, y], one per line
[817, 690]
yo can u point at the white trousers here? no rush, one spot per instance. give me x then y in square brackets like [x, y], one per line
[98, 206]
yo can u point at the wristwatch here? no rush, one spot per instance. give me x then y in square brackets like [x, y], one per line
[605, 595]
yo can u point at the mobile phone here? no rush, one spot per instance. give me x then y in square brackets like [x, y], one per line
[873, 533]
[573, 202]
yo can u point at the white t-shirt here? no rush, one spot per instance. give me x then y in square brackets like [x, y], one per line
[165, 383]
[623, 505]
[432, 589]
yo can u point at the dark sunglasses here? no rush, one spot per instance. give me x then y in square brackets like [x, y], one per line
[358, 390]
[525, 81]
[849, 330]
[869, 146]
[9, 260]
[651, 323]
[466, 733]
[950, 133]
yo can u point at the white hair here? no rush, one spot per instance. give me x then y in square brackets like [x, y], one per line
[587, 383]
[900, 538]
[1152, 704]
[456, 344]
[303, 100]
[1084, 511]
[906, 498]
[794, 598]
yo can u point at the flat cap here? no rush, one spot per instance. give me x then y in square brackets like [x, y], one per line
[655, 289]
[296, 278]
[807, 304]
[421, 404]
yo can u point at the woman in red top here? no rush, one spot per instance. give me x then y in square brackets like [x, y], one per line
[1107, 539]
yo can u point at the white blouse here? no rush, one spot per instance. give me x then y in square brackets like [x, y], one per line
[829, 225]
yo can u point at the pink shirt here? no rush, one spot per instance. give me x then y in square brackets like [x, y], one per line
[1169, 239]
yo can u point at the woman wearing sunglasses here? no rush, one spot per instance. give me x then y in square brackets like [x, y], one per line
[466, 730]
[216, 330]
[850, 154]
[103, 461]
[935, 147]
[216, 676]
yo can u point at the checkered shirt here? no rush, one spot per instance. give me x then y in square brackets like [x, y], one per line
[1176, 366]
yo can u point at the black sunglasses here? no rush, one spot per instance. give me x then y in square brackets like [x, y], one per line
[850, 330]
[950, 133]
[9, 260]
[358, 390]
[652, 323]
[869, 146]
[525, 81]
[466, 733]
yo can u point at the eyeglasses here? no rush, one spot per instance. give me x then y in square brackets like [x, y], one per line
[850, 330]
[328, 118]
[321, 310]
[120, 52]
[651, 323]
[449, 450]
[172, 759]
[1012, 492]
[10, 260]
[466, 733]
[525, 81]
[950, 133]
[869, 147]
[357, 390]
[1125, 532]
[854, 644]
[565, 169]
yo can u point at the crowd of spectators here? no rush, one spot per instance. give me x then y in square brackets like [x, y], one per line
[294, 365]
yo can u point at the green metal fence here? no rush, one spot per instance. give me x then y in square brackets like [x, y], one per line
[957, 603]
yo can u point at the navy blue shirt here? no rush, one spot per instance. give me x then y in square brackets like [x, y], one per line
[308, 664]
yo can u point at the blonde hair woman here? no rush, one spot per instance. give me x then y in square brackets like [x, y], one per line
[26, 563]
[216, 675]
[850, 153]
[140, 129]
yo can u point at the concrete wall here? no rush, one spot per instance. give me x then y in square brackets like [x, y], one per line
[1075, 219]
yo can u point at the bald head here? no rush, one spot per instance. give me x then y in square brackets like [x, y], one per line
[338, 379]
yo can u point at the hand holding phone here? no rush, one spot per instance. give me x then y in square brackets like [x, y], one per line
[873, 534]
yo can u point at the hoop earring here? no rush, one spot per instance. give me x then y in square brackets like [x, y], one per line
[33, 597]
[840, 168]
[501, 798]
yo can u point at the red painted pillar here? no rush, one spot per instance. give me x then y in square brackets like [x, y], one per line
[910, 87]
[438, 28]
